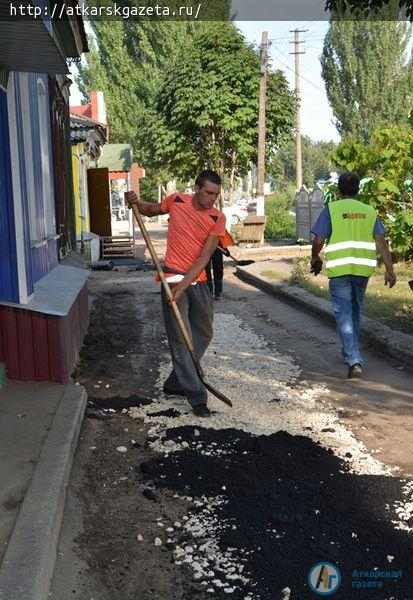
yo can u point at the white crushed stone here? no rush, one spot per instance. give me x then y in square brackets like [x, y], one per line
[241, 364]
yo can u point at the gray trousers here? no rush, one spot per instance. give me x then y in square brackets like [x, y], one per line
[196, 307]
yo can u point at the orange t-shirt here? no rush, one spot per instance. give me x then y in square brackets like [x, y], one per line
[189, 230]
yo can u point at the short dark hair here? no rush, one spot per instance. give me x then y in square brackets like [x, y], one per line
[348, 184]
[208, 175]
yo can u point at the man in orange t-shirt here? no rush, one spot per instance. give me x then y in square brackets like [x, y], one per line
[195, 227]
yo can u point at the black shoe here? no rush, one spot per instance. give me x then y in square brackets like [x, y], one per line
[218, 296]
[355, 371]
[201, 410]
[168, 392]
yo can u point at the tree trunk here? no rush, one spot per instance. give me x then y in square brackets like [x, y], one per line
[232, 177]
[222, 174]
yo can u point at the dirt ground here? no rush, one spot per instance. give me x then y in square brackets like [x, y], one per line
[274, 504]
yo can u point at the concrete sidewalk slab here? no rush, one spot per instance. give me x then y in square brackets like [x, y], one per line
[396, 344]
[41, 425]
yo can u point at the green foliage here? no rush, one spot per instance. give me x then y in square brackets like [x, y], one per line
[368, 9]
[316, 160]
[368, 72]
[128, 61]
[280, 224]
[387, 161]
[184, 95]
[209, 105]
[300, 271]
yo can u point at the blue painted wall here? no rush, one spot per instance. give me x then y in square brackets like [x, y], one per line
[9, 289]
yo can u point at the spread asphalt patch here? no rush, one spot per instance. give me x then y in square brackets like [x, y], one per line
[288, 503]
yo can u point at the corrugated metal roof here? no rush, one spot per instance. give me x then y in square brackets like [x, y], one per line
[81, 126]
[116, 157]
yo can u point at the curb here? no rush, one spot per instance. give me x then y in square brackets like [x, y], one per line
[395, 344]
[28, 563]
[262, 253]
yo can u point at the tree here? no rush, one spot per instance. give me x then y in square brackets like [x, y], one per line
[368, 72]
[386, 162]
[128, 61]
[209, 104]
[316, 158]
[368, 8]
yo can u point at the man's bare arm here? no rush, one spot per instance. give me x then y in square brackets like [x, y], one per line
[196, 269]
[318, 243]
[383, 249]
[147, 209]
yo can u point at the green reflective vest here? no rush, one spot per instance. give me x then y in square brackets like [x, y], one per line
[351, 249]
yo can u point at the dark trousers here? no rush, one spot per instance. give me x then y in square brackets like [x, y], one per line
[196, 307]
[216, 264]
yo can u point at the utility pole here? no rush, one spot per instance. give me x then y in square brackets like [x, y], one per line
[298, 159]
[261, 126]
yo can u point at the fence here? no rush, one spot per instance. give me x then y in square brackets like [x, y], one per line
[308, 205]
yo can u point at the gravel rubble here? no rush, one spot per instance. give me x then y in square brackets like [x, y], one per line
[269, 400]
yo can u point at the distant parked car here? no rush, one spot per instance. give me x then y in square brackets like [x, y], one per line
[235, 214]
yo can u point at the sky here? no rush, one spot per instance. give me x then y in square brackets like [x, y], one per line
[316, 115]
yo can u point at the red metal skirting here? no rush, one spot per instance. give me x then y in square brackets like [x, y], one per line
[40, 347]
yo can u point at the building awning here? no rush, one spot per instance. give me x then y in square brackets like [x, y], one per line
[116, 157]
[36, 46]
[4, 76]
[27, 46]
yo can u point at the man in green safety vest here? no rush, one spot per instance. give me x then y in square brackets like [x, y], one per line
[353, 234]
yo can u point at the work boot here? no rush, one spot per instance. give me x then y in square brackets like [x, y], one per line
[201, 410]
[355, 371]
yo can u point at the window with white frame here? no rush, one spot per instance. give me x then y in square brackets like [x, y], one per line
[45, 159]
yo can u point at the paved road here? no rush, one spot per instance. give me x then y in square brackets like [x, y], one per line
[100, 557]
[385, 395]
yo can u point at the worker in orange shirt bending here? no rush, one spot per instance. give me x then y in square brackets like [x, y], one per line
[195, 227]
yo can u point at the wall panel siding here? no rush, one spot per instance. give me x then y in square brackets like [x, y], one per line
[10, 347]
[41, 356]
[9, 289]
[39, 347]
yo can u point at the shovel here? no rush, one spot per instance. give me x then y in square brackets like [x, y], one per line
[239, 263]
[174, 306]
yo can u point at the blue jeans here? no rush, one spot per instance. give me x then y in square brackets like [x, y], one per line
[347, 293]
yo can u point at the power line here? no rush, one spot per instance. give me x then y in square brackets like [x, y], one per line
[285, 56]
[301, 76]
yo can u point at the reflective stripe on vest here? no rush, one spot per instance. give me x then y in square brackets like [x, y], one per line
[350, 260]
[351, 249]
[352, 244]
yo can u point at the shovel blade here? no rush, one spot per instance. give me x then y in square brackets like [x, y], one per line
[244, 263]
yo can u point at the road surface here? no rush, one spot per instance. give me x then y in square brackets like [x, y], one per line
[307, 467]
